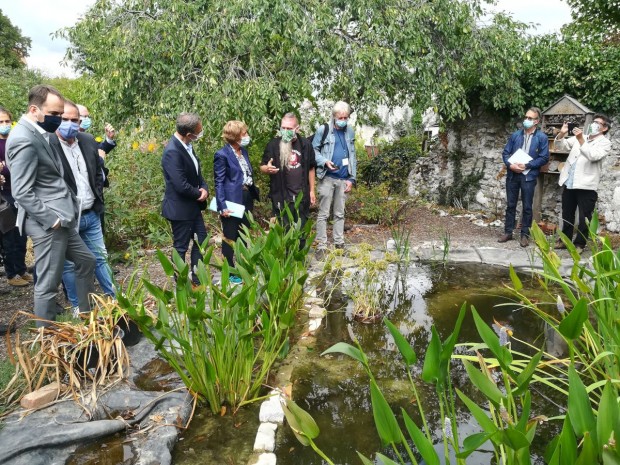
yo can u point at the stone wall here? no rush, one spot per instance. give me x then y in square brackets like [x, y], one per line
[481, 139]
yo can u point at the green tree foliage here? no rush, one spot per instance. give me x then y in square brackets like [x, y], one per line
[597, 16]
[15, 85]
[586, 68]
[13, 45]
[255, 59]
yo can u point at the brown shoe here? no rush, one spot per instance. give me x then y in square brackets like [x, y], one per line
[559, 245]
[27, 277]
[524, 242]
[17, 281]
[505, 238]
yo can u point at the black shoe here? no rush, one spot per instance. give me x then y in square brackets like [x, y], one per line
[505, 238]
[339, 246]
[5, 329]
[524, 242]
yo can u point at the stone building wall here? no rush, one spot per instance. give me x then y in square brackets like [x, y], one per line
[480, 140]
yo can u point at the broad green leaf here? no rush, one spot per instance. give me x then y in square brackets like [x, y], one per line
[432, 362]
[364, 460]
[579, 408]
[403, 345]
[385, 420]
[383, 460]
[481, 416]
[346, 349]
[501, 353]
[472, 443]
[301, 422]
[514, 439]
[524, 378]
[571, 326]
[166, 264]
[611, 457]
[484, 384]
[608, 415]
[589, 452]
[516, 282]
[424, 446]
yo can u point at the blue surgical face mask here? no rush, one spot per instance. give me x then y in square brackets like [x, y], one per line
[68, 129]
[528, 123]
[86, 123]
[5, 129]
[342, 123]
[245, 141]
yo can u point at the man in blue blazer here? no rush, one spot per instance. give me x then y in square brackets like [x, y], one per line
[186, 191]
[523, 176]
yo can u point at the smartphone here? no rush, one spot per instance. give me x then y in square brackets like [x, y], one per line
[572, 126]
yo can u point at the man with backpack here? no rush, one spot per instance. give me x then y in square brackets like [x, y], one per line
[336, 169]
[289, 161]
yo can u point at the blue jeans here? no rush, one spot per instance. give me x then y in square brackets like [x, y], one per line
[91, 234]
[515, 184]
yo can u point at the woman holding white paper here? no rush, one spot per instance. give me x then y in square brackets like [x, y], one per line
[234, 186]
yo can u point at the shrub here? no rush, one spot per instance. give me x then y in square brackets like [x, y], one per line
[373, 205]
[391, 166]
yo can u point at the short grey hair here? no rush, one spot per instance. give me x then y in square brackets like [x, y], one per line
[341, 107]
[187, 123]
[290, 115]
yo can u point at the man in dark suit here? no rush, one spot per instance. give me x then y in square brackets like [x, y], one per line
[47, 209]
[186, 191]
[83, 175]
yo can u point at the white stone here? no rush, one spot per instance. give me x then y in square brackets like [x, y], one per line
[266, 437]
[266, 459]
[390, 245]
[317, 312]
[479, 223]
[314, 301]
[482, 199]
[271, 411]
[442, 213]
[314, 324]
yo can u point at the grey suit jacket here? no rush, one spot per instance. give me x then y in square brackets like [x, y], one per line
[37, 183]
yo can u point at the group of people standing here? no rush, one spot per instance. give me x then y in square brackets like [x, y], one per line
[579, 177]
[292, 162]
[54, 180]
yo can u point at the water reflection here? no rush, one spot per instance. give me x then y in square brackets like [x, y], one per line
[334, 388]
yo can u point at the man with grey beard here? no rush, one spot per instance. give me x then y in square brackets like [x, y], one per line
[289, 162]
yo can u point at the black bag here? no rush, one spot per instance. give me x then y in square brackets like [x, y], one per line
[7, 216]
[310, 138]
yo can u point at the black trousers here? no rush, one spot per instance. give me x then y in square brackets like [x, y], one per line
[183, 232]
[586, 201]
[231, 227]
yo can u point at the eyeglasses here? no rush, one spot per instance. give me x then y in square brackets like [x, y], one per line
[529, 118]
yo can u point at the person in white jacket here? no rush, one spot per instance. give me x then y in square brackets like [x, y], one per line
[581, 174]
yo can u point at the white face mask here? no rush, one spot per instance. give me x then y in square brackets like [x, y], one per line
[595, 129]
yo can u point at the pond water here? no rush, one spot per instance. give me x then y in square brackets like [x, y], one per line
[334, 389]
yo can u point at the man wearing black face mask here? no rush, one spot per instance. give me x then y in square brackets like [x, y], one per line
[47, 209]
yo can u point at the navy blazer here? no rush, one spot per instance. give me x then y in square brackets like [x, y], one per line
[539, 151]
[182, 183]
[228, 176]
[89, 148]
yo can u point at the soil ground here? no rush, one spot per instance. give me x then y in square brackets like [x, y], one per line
[425, 223]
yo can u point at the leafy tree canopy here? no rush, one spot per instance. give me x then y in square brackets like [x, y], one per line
[256, 59]
[13, 45]
[597, 16]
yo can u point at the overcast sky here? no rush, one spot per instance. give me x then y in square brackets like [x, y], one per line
[38, 19]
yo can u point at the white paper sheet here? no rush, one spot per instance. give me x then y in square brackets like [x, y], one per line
[236, 209]
[520, 156]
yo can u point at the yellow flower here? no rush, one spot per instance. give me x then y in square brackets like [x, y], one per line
[135, 145]
[151, 147]
[98, 139]
[126, 256]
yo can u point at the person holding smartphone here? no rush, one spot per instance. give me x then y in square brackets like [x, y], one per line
[581, 174]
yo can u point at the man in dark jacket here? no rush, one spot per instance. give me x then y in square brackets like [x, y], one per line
[522, 175]
[186, 191]
[82, 173]
[289, 161]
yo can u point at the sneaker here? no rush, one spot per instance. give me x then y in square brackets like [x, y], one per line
[235, 280]
[339, 246]
[17, 281]
[27, 277]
